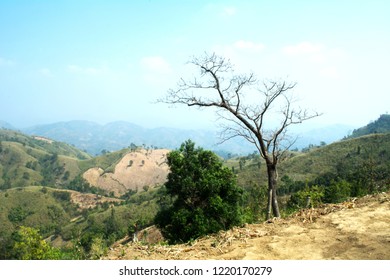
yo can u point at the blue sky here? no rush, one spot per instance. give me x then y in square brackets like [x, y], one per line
[104, 61]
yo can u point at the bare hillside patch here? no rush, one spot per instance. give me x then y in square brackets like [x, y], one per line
[133, 172]
[89, 200]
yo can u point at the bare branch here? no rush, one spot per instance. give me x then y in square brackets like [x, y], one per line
[217, 87]
[231, 95]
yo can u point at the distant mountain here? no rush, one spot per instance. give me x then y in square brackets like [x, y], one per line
[94, 138]
[381, 125]
[5, 125]
[74, 132]
[316, 135]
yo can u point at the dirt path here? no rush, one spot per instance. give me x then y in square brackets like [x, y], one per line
[352, 230]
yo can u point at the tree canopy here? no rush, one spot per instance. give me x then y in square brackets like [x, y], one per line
[29, 245]
[205, 196]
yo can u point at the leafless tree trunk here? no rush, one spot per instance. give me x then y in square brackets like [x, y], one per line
[245, 104]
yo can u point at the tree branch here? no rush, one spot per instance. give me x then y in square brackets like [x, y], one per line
[217, 87]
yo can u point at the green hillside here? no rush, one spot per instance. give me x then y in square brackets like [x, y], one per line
[366, 158]
[43, 144]
[26, 161]
[381, 125]
[72, 227]
[34, 175]
[106, 162]
[340, 157]
[42, 208]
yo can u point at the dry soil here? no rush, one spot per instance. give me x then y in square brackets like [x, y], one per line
[354, 230]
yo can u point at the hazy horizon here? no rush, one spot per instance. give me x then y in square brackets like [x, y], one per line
[109, 61]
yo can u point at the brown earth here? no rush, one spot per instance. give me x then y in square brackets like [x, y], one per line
[89, 200]
[133, 172]
[359, 229]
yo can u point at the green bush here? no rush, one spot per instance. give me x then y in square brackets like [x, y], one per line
[308, 197]
[205, 196]
[62, 195]
[18, 214]
[29, 245]
[254, 202]
[337, 191]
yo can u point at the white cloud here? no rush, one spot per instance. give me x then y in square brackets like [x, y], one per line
[156, 71]
[239, 47]
[330, 72]
[46, 72]
[248, 45]
[220, 10]
[315, 52]
[156, 64]
[241, 53]
[86, 70]
[325, 60]
[303, 48]
[229, 11]
[6, 62]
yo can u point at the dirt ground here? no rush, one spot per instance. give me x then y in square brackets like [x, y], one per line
[355, 230]
[89, 200]
[134, 171]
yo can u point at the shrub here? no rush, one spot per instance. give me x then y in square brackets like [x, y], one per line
[62, 195]
[337, 191]
[300, 198]
[29, 245]
[18, 214]
[204, 193]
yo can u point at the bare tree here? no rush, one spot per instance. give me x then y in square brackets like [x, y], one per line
[248, 108]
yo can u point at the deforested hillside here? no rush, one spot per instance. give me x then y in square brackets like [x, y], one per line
[136, 170]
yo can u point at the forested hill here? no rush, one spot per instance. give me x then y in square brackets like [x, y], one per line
[381, 125]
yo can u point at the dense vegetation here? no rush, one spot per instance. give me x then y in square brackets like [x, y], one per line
[82, 233]
[204, 194]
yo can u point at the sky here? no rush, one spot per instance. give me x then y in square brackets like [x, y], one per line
[107, 61]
